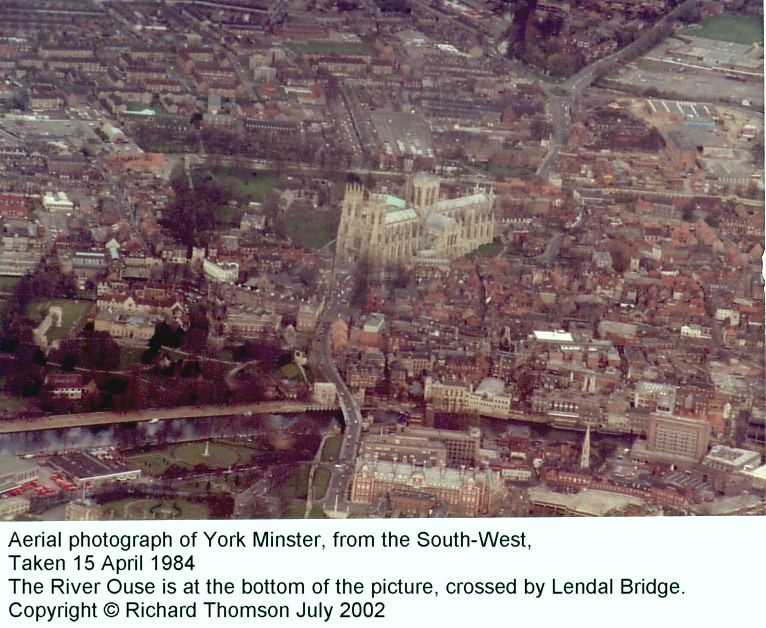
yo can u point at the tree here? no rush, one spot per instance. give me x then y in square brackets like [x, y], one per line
[713, 220]
[270, 205]
[525, 385]
[191, 216]
[620, 258]
[195, 339]
[100, 351]
[26, 380]
[560, 64]
[68, 363]
[756, 150]
[361, 283]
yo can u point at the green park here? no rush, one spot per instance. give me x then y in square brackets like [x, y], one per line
[731, 28]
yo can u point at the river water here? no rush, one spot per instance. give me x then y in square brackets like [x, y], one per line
[129, 435]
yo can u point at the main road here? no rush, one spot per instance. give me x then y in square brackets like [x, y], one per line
[336, 499]
[154, 415]
[562, 98]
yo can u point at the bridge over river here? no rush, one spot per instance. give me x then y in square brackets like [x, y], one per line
[154, 415]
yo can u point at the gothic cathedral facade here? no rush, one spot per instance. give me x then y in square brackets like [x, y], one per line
[388, 230]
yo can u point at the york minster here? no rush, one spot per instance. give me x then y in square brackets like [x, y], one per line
[387, 230]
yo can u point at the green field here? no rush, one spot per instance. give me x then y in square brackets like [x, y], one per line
[321, 481]
[74, 313]
[296, 485]
[312, 229]
[331, 448]
[223, 454]
[227, 216]
[298, 511]
[329, 47]
[130, 356]
[7, 283]
[736, 29]
[291, 370]
[192, 454]
[12, 404]
[246, 186]
[151, 464]
[317, 513]
[651, 66]
[148, 509]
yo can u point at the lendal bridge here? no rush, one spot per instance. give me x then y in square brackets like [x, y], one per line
[154, 415]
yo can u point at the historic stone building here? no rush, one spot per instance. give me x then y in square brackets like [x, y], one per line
[465, 492]
[388, 230]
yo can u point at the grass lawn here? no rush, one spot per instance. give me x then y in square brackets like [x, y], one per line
[12, 404]
[291, 370]
[296, 485]
[297, 510]
[329, 47]
[239, 445]
[222, 454]
[130, 355]
[737, 29]
[151, 464]
[651, 66]
[331, 448]
[317, 513]
[7, 283]
[73, 319]
[321, 481]
[227, 216]
[246, 186]
[143, 509]
[312, 229]
[191, 454]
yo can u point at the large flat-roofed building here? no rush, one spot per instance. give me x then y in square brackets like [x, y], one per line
[676, 436]
[325, 394]
[222, 272]
[83, 510]
[120, 325]
[94, 467]
[588, 503]
[428, 446]
[250, 324]
[655, 396]
[11, 507]
[15, 472]
[489, 398]
[395, 447]
[731, 459]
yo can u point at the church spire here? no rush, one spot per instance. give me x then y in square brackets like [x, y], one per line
[585, 456]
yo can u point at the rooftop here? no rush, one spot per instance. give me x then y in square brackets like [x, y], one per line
[12, 464]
